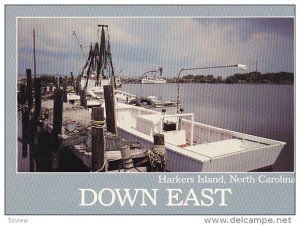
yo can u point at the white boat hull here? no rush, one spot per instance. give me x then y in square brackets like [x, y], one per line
[153, 81]
[239, 162]
[252, 152]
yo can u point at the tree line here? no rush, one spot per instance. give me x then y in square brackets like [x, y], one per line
[252, 78]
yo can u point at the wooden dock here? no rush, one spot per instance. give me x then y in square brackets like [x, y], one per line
[87, 133]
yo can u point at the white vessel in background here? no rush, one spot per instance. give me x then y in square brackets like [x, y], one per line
[150, 77]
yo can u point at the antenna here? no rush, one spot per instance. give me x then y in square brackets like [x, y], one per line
[256, 66]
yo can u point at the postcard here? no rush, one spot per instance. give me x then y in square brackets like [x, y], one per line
[150, 110]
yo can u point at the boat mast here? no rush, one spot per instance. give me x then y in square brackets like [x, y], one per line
[101, 56]
[34, 62]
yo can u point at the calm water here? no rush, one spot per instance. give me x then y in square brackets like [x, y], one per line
[262, 110]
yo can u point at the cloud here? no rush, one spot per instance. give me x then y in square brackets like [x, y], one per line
[139, 44]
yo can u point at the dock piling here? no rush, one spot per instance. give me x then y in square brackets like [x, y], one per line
[65, 96]
[22, 98]
[98, 141]
[51, 88]
[126, 158]
[159, 146]
[83, 100]
[37, 95]
[25, 128]
[57, 126]
[72, 80]
[29, 89]
[110, 109]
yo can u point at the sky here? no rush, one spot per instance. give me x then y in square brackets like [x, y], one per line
[142, 44]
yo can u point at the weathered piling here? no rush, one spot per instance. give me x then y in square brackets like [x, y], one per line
[126, 158]
[159, 153]
[51, 88]
[110, 109]
[60, 82]
[56, 82]
[98, 141]
[37, 96]
[29, 89]
[22, 99]
[83, 100]
[57, 112]
[57, 126]
[159, 139]
[65, 96]
[78, 87]
[25, 130]
[72, 80]
[44, 90]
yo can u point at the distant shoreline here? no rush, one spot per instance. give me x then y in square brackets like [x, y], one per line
[245, 78]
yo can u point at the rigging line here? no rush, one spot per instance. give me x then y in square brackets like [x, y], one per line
[81, 46]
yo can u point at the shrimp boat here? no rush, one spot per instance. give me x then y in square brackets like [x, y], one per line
[196, 147]
[150, 77]
[98, 69]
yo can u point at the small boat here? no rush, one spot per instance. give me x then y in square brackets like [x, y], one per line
[196, 147]
[153, 78]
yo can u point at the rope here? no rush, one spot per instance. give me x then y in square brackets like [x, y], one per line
[157, 156]
[97, 123]
[101, 167]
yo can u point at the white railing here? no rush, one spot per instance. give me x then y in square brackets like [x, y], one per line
[178, 116]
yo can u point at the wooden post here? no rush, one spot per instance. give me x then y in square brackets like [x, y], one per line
[37, 95]
[33, 122]
[60, 82]
[65, 96]
[76, 86]
[159, 139]
[22, 98]
[51, 88]
[98, 141]
[127, 158]
[83, 100]
[110, 109]
[57, 112]
[72, 80]
[159, 143]
[57, 125]
[44, 90]
[29, 89]
[25, 130]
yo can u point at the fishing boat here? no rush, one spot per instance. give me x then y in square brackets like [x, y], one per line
[98, 69]
[151, 77]
[196, 147]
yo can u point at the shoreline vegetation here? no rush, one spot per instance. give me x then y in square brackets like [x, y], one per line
[239, 78]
